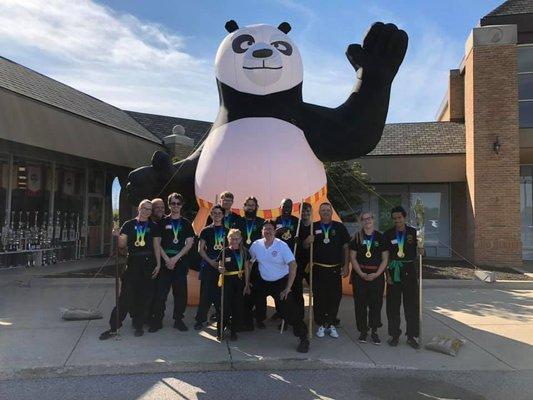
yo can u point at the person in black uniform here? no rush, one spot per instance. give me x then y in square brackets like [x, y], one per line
[212, 241]
[331, 264]
[286, 226]
[368, 256]
[177, 238]
[250, 227]
[231, 219]
[141, 238]
[302, 258]
[235, 277]
[402, 278]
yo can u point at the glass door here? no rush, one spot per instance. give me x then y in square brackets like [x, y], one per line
[526, 210]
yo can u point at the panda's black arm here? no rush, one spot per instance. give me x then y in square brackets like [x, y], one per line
[355, 127]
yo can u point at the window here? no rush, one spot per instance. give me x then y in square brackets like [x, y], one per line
[525, 85]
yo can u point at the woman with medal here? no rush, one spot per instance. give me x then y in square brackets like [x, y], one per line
[177, 238]
[331, 264]
[402, 279]
[250, 227]
[368, 256]
[235, 277]
[211, 243]
[140, 237]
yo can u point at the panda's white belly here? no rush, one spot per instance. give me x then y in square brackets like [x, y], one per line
[263, 157]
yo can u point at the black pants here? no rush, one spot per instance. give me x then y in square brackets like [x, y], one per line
[255, 305]
[177, 280]
[233, 302]
[298, 291]
[136, 292]
[288, 307]
[327, 294]
[408, 288]
[368, 301]
[209, 294]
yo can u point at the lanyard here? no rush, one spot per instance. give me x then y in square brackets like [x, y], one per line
[227, 220]
[219, 238]
[239, 259]
[249, 231]
[176, 228]
[368, 244]
[140, 233]
[325, 229]
[400, 238]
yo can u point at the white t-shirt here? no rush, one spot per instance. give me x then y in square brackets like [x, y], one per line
[273, 261]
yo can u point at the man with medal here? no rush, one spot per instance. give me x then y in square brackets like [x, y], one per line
[331, 264]
[140, 237]
[177, 238]
[211, 243]
[254, 306]
[402, 279]
[235, 277]
[231, 219]
[368, 257]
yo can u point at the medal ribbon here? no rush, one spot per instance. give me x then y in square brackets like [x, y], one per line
[287, 223]
[400, 238]
[140, 232]
[326, 231]
[240, 261]
[249, 230]
[176, 227]
[227, 220]
[219, 237]
[368, 244]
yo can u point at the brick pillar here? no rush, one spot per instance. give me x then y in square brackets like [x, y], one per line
[491, 112]
[456, 96]
[178, 145]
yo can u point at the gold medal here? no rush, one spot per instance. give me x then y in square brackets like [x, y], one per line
[401, 254]
[142, 243]
[286, 236]
[137, 243]
[248, 241]
[175, 241]
[368, 254]
[326, 240]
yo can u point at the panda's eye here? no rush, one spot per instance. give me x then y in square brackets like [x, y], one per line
[241, 43]
[283, 47]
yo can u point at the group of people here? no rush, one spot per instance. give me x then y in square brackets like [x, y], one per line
[245, 259]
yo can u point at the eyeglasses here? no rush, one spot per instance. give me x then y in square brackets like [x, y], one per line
[174, 203]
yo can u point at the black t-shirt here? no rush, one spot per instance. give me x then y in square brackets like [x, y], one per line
[329, 240]
[140, 235]
[210, 234]
[231, 258]
[253, 227]
[231, 220]
[302, 254]
[377, 246]
[286, 230]
[410, 245]
[172, 231]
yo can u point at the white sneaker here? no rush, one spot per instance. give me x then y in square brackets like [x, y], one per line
[333, 332]
[321, 331]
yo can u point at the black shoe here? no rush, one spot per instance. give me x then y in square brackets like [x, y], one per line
[362, 337]
[303, 346]
[260, 324]
[107, 334]
[411, 341]
[180, 325]
[393, 341]
[139, 332]
[198, 326]
[233, 336]
[154, 328]
[275, 316]
[375, 338]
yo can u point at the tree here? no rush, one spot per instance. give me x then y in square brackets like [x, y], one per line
[346, 185]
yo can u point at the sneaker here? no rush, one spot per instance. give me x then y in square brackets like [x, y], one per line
[362, 337]
[154, 328]
[411, 341]
[180, 326]
[303, 346]
[232, 336]
[107, 334]
[260, 324]
[393, 341]
[198, 326]
[375, 338]
[139, 332]
[333, 332]
[321, 332]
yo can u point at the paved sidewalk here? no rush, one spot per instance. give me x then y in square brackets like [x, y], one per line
[495, 320]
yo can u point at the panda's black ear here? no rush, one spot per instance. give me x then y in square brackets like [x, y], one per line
[231, 26]
[284, 27]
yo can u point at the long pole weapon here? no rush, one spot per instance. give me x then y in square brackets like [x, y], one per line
[420, 222]
[116, 206]
[221, 280]
[294, 252]
[311, 281]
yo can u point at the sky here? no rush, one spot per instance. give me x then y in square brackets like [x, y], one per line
[157, 56]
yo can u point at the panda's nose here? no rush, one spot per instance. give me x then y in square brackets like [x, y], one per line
[262, 53]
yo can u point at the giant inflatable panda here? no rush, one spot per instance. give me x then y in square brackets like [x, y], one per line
[266, 141]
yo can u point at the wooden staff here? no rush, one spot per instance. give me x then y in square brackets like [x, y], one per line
[311, 280]
[221, 321]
